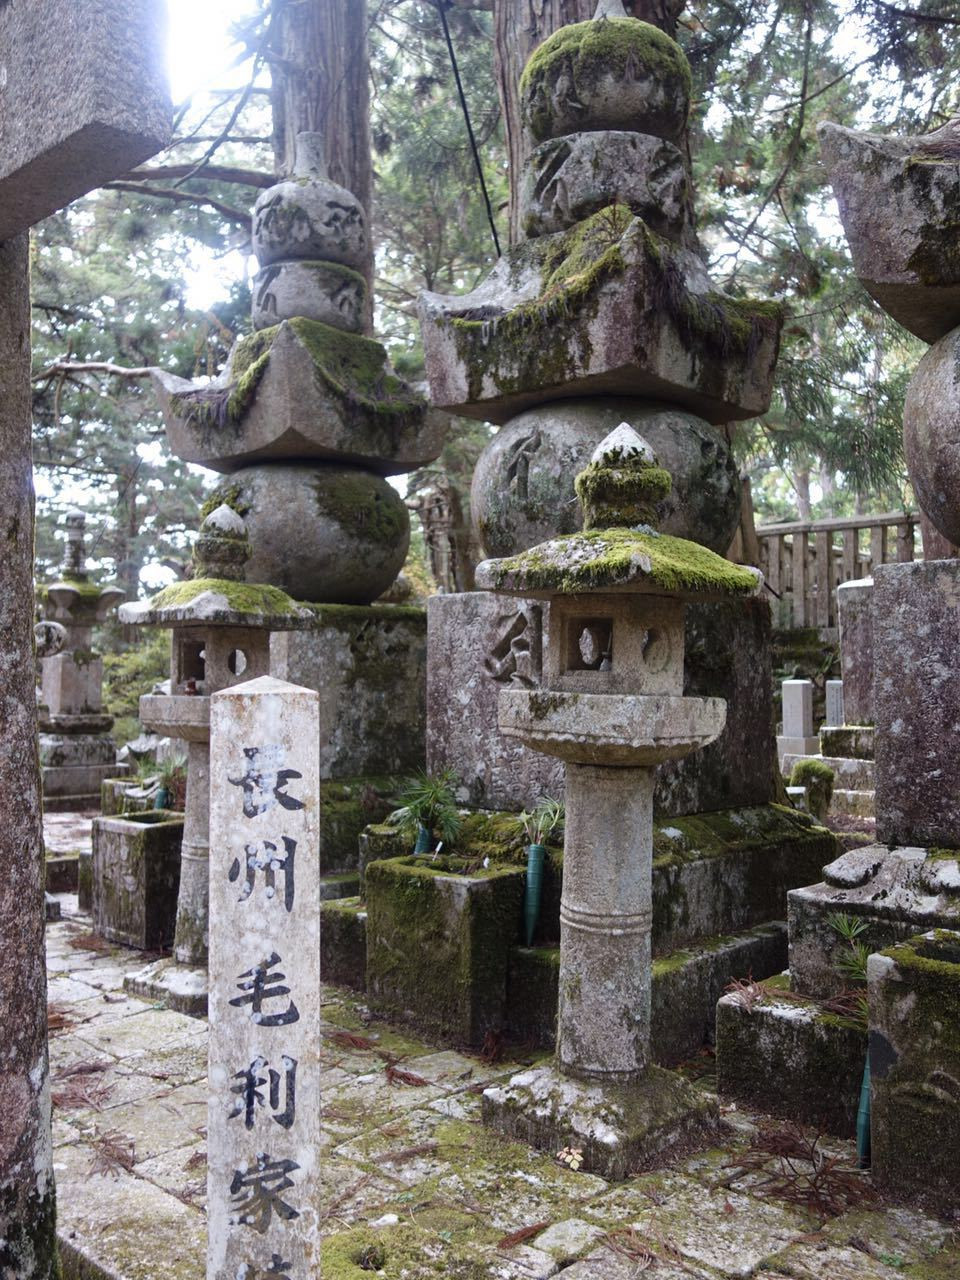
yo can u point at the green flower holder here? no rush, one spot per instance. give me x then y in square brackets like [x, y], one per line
[533, 890]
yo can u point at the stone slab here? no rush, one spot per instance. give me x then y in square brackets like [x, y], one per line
[917, 702]
[368, 664]
[915, 1070]
[834, 703]
[892, 893]
[343, 943]
[852, 804]
[684, 990]
[619, 1129]
[790, 1058]
[82, 780]
[104, 111]
[850, 773]
[852, 741]
[855, 614]
[176, 986]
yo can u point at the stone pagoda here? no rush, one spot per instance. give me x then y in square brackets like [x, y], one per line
[611, 707]
[306, 423]
[603, 314]
[77, 752]
[898, 900]
[221, 629]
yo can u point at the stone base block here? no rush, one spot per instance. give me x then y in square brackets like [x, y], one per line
[915, 1070]
[85, 880]
[619, 1128]
[75, 782]
[62, 873]
[849, 772]
[851, 741]
[368, 663]
[791, 1058]
[853, 804]
[893, 893]
[801, 747]
[51, 908]
[344, 885]
[685, 989]
[115, 800]
[136, 878]
[174, 985]
[438, 942]
[343, 943]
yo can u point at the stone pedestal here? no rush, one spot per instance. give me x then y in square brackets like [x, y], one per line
[798, 737]
[136, 874]
[368, 665]
[917, 696]
[855, 611]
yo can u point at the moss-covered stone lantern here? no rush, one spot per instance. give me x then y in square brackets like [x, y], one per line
[612, 708]
[221, 636]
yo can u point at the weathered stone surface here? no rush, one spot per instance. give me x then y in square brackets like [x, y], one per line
[850, 742]
[917, 703]
[899, 202]
[311, 218]
[359, 530]
[614, 73]
[855, 611]
[618, 1129]
[559, 318]
[263, 1138]
[834, 702]
[478, 644]
[572, 177]
[343, 943]
[301, 389]
[437, 944]
[686, 986]
[324, 291]
[136, 876]
[893, 892]
[368, 664]
[521, 485]
[931, 431]
[84, 100]
[791, 1058]
[915, 1069]
[850, 773]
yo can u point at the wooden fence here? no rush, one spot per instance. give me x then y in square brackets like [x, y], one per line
[804, 562]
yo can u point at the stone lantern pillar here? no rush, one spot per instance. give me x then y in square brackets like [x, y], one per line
[221, 636]
[611, 707]
[76, 750]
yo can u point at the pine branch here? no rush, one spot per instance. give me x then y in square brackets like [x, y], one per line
[213, 172]
[61, 367]
[237, 216]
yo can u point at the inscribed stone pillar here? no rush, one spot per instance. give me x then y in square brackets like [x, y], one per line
[855, 611]
[263, 1133]
[797, 738]
[834, 700]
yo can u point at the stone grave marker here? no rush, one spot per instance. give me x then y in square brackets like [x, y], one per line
[834, 703]
[797, 738]
[82, 99]
[263, 1140]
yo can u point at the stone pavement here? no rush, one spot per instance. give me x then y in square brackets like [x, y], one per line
[413, 1185]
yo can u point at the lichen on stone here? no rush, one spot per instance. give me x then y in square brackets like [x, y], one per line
[242, 597]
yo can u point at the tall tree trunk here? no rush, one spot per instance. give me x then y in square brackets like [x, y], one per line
[519, 27]
[321, 83]
[128, 528]
[28, 1245]
[801, 483]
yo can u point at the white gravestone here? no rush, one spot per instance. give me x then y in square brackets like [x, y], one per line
[834, 704]
[797, 738]
[263, 1139]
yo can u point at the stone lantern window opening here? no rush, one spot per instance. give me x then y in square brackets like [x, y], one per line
[589, 644]
[189, 660]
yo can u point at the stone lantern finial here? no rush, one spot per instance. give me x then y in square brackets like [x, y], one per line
[75, 553]
[622, 484]
[223, 547]
[610, 9]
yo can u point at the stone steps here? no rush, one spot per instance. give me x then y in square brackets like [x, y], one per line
[853, 804]
[850, 773]
[346, 884]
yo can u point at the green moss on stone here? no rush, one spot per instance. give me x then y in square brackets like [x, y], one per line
[360, 505]
[614, 496]
[818, 779]
[591, 561]
[242, 597]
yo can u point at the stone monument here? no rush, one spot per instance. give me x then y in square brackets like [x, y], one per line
[604, 314]
[263, 1132]
[76, 750]
[611, 707]
[221, 635]
[83, 100]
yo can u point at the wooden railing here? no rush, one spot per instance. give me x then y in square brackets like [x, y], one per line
[804, 562]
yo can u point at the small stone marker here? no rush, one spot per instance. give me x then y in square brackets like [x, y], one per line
[263, 1140]
[855, 612]
[834, 704]
[797, 738]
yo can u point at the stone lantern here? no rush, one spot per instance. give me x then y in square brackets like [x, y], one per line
[221, 636]
[611, 707]
[76, 750]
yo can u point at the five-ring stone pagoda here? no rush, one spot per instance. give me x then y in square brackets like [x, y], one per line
[611, 707]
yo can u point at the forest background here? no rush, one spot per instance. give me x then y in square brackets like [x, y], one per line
[114, 275]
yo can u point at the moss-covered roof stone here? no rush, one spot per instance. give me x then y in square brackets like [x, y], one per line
[219, 602]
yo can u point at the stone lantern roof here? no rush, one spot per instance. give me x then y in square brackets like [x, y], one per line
[619, 549]
[218, 596]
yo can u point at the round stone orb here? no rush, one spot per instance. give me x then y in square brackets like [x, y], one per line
[617, 73]
[523, 483]
[309, 218]
[325, 291]
[336, 535]
[931, 434]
